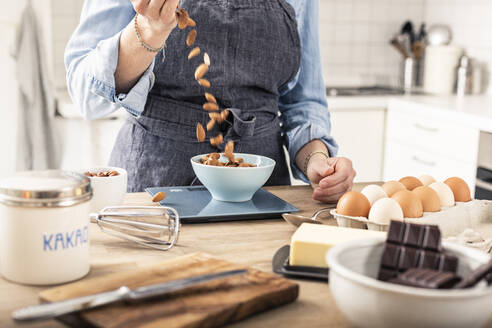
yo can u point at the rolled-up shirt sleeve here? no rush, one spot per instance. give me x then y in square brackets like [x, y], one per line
[91, 57]
[303, 104]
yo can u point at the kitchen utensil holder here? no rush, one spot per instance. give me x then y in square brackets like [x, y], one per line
[411, 74]
[150, 226]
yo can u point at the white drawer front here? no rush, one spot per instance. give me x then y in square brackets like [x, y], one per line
[402, 160]
[444, 138]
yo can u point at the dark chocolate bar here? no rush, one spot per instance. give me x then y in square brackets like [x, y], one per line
[427, 278]
[414, 246]
[476, 276]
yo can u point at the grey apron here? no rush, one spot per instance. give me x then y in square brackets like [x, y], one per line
[254, 48]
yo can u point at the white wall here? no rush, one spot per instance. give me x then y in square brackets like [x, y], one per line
[355, 38]
[471, 22]
[65, 18]
[9, 13]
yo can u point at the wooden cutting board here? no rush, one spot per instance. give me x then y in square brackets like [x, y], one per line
[210, 304]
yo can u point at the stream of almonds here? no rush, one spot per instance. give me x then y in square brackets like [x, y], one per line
[210, 105]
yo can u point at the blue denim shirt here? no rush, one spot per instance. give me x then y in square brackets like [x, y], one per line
[91, 58]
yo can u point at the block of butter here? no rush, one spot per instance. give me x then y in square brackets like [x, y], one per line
[309, 244]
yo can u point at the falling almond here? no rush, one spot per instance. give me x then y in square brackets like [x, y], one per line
[183, 19]
[191, 22]
[217, 140]
[210, 98]
[224, 114]
[216, 116]
[201, 71]
[206, 59]
[200, 132]
[159, 196]
[210, 124]
[190, 39]
[210, 106]
[229, 150]
[193, 53]
[204, 83]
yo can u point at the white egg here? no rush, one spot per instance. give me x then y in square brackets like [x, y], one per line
[426, 179]
[445, 193]
[384, 210]
[373, 193]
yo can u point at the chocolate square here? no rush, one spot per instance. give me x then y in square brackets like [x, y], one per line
[386, 274]
[448, 263]
[414, 234]
[408, 258]
[396, 231]
[429, 260]
[432, 238]
[390, 257]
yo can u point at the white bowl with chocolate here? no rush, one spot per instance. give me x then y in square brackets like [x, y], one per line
[108, 185]
[369, 302]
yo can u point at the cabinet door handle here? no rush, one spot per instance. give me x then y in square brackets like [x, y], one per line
[425, 128]
[421, 161]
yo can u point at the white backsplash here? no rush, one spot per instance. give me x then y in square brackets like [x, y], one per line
[355, 38]
[471, 23]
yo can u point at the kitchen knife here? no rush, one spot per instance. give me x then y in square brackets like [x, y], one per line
[51, 310]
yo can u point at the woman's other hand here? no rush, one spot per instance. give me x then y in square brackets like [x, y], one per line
[330, 177]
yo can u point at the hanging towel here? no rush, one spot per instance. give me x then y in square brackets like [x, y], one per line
[38, 146]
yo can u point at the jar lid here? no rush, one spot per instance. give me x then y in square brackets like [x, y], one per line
[51, 188]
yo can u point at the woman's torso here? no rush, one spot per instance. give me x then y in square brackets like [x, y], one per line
[254, 49]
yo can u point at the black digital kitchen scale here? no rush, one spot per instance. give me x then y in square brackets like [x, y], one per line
[195, 205]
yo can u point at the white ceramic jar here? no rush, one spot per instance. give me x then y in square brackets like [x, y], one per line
[44, 227]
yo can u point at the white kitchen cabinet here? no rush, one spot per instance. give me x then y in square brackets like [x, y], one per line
[403, 160]
[360, 136]
[425, 144]
[448, 139]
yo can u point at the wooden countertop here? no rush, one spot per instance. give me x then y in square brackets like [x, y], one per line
[247, 242]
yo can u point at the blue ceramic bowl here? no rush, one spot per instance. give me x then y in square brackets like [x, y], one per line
[234, 184]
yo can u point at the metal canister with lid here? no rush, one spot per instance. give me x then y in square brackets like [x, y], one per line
[44, 227]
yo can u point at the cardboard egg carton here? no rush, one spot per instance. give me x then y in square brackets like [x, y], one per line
[451, 220]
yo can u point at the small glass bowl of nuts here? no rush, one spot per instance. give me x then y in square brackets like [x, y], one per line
[108, 186]
[232, 177]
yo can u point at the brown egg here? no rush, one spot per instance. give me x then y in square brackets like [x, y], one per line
[460, 189]
[429, 198]
[411, 182]
[410, 204]
[353, 203]
[391, 187]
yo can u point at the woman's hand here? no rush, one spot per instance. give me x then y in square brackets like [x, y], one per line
[330, 177]
[157, 18]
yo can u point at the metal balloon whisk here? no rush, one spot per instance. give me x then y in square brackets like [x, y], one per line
[150, 226]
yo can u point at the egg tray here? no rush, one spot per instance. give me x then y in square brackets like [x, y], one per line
[451, 220]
